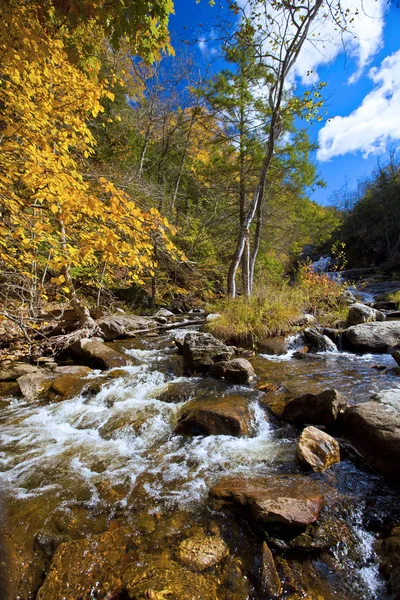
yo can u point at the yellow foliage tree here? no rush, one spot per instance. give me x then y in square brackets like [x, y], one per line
[52, 216]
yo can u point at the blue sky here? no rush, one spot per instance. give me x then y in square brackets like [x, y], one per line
[362, 120]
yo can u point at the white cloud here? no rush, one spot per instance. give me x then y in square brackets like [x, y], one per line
[374, 124]
[362, 40]
[202, 44]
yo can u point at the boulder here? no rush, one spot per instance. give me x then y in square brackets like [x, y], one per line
[215, 416]
[316, 450]
[202, 551]
[315, 409]
[380, 338]
[14, 370]
[303, 320]
[238, 370]
[67, 384]
[116, 326]
[34, 384]
[361, 313]
[283, 500]
[317, 341]
[273, 345]
[97, 354]
[201, 350]
[374, 430]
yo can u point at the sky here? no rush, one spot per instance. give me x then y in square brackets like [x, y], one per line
[361, 114]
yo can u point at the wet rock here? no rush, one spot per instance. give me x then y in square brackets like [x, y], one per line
[67, 385]
[317, 341]
[374, 430]
[97, 354]
[35, 383]
[361, 313]
[317, 450]
[271, 583]
[287, 501]
[273, 345]
[116, 326]
[238, 370]
[9, 388]
[389, 549]
[216, 416]
[14, 370]
[72, 370]
[202, 551]
[380, 338]
[80, 568]
[315, 409]
[201, 350]
[115, 373]
[396, 356]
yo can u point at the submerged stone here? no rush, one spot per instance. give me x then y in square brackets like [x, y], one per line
[202, 551]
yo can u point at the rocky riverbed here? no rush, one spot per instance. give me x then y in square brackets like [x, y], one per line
[174, 467]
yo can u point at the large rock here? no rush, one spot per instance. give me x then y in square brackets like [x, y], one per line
[34, 384]
[14, 370]
[389, 549]
[315, 409]
[374, 430]
[202, 551]
[67, 383]
[115, 326]
[238, 370]
[360, 313]
[216, 416]
[378, 338]
[317, 450]
[97, 354]
[201, 350]
[317, 341]
[288, 501]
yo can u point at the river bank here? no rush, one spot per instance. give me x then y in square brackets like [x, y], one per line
[105, 499]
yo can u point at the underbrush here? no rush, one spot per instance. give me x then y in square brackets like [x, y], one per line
[277, 308]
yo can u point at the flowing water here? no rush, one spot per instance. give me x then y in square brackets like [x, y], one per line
[71, 469]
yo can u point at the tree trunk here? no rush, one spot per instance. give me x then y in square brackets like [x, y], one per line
[256, 247]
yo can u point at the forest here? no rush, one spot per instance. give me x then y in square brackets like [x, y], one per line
[123, 171]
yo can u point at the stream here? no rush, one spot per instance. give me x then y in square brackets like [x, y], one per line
[80, 470]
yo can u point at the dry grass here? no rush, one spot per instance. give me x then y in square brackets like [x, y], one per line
[274, 310]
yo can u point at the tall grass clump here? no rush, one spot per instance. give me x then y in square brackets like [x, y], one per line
[276, 309]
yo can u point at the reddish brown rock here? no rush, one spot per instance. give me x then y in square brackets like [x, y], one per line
[216, 416]
[292, 501]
